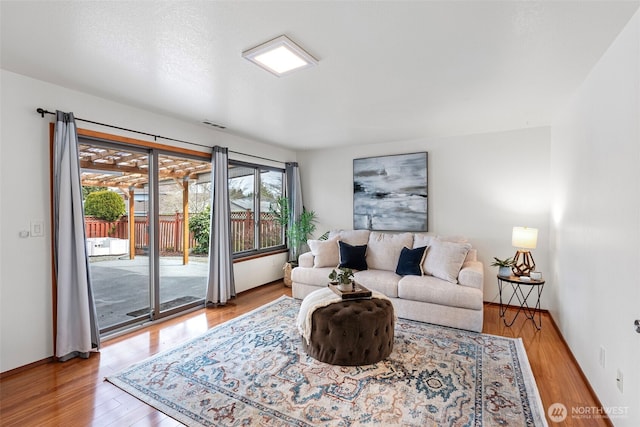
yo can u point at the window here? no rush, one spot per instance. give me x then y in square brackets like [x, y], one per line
[149, 256]
[253, 191]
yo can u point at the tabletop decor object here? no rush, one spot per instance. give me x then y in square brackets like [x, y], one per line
[524, 238]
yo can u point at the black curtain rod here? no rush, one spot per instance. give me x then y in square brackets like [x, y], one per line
[42, 112]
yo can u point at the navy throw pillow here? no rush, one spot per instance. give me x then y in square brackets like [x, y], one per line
[353, 257]
[410, 262]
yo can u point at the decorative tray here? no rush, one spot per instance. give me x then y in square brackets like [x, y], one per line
[354, 291]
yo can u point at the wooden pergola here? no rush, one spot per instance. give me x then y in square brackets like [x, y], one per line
[128, 170]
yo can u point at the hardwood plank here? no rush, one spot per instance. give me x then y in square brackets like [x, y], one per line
[75, 393]
[156, 419]
[558, 377]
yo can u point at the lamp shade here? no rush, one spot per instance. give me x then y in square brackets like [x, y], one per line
[524, 237]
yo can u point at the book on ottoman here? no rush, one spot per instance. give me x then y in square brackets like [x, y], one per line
[352, 291]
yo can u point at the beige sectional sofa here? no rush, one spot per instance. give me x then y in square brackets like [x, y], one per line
[446, 289]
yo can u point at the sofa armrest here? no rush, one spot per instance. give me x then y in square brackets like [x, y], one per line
[471, 274]
[305, 260]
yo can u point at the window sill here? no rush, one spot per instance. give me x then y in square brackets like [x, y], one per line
[255, 255]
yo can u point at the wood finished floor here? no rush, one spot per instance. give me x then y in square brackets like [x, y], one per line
[75, 394]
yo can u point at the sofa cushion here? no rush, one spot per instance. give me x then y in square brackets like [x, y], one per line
[354, 257]
[437, 291]
[352, 237]
[410, 262]
[471, 274]
[453, 239]
[444, 259]
[472, 255]
[325, 252]
[385, 282]
[306, 260]
[423, 239]
[311, 276]
[383, 249]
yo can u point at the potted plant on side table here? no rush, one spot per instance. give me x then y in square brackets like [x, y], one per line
[504, 266]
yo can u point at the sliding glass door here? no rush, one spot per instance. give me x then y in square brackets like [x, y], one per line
[138, 204]
[115, 187]
[181, 196]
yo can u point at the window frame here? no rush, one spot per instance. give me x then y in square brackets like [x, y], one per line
[256, 251]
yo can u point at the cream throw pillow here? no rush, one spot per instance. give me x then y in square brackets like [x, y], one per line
[423, 239]
[383, 249]
[444, 259]
[325, 252]
[352, 237]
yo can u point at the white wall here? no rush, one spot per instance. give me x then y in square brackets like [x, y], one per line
[25, 263]
[479, 186]
[596, 223]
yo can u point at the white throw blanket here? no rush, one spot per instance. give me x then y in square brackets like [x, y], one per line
[316, 299]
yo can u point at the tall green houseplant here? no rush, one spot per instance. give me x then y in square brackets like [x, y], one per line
[300, 231]
[297, 232]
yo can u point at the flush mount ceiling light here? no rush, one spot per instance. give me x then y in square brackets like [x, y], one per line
[280, 56]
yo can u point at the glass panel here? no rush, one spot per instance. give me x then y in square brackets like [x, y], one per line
[271, 188]
[242, 200]
[183, 237]
[115, 194]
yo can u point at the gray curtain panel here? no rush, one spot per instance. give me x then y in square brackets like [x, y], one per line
[294, 195]
[77, 331]
[221, 285]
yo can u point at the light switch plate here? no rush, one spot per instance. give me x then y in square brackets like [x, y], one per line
[37, 229]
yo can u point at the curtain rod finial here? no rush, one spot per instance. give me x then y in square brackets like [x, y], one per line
[42, 112]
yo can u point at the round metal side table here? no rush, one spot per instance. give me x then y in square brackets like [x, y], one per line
[521, 293]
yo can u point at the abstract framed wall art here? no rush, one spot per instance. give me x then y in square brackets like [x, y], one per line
[390, 193]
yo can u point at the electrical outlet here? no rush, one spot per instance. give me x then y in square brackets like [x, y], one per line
[602, 359]
[620, 381]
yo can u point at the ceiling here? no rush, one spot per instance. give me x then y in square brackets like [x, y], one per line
[388, 70]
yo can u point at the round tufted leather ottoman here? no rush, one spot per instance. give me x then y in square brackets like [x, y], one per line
[352, 332]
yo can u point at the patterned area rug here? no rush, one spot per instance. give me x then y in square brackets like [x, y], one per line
[252, 371]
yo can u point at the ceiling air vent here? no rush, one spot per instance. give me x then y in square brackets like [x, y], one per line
[215, 125]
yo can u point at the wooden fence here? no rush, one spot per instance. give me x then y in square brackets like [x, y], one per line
[171, 231]
[95, 227]
[243, 232]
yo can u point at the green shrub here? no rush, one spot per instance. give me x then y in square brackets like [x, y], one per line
[88, 189]
[199, 225]
[106, 205]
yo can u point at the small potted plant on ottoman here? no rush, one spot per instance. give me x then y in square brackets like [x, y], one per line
[344, 279]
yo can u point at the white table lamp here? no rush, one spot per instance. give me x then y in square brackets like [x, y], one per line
[524, 238]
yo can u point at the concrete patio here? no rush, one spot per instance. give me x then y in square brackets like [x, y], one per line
[121, 285]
